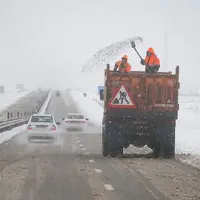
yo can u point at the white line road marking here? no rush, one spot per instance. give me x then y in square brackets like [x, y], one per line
[108, 187]
[91, 161]
[97, 170]
[152, 193]
[83, 148]
[87, 153]
[81, 145]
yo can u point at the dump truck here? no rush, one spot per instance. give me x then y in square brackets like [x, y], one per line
[140, 109]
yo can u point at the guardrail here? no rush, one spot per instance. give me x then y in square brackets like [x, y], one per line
[7, 125]
[11, 123]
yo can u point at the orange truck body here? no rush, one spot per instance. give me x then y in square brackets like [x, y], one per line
[158, 92]
[139, 108]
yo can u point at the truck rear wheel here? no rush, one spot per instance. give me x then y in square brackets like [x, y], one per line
[120, 152]
[117, 152]
[168, 151]
[169, 143]
[105, 150]
[156, 150]
[165, 139]
[111, 141]
[105, 147]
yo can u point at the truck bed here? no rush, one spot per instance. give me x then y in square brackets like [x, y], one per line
[146, 93]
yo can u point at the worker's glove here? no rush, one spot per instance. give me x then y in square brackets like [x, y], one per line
[156, 68]
[155, 71]
[142, 62]
[115, 69]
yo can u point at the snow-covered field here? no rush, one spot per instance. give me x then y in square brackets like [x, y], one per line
[188, 123]
[90, 108]
[8, 99]
[7, 135]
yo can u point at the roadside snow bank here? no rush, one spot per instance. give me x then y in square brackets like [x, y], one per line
[8, 99]
[7, 135]
[88, 107]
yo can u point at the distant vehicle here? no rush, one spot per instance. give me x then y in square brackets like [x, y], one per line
[58, 93]
[42, 127]
[2, 89]
[75, 121]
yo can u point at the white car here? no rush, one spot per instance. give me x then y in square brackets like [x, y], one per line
[75, 121]
[42, 126]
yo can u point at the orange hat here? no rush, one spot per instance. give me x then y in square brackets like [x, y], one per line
[151, 50]
[125, 57]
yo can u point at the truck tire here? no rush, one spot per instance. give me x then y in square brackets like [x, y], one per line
[156, 150]
[117, 152]
[113, 153]
[111, 141]
[155, 144]
[169, 143]
[105, 147]
[120, 152]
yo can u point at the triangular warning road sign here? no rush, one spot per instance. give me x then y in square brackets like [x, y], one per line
[122, 99]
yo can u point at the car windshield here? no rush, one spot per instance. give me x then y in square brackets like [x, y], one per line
[75, 117]
[47, 119]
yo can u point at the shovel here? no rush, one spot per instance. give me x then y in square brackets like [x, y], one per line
[134, 47]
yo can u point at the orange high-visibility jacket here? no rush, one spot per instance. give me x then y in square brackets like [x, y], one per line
[153, 60]
[123, 67]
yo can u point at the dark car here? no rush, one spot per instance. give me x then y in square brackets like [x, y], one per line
[58, 93]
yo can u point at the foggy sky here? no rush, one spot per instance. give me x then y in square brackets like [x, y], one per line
[46, 43]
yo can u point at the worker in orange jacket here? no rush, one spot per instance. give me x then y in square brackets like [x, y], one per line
[151, 62]
[122, 65]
